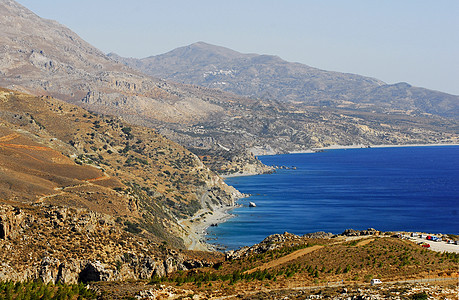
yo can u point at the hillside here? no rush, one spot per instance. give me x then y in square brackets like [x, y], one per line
[270, 77]
[71, 177]
[44, 58]
[316, 266]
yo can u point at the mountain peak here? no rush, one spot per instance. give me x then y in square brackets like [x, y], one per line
[201, 52]
[13, 8]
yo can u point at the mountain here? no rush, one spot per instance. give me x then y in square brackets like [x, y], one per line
[270, 77]
[44, 58]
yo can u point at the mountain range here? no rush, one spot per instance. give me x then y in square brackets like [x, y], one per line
[270, 77]
[42, 57]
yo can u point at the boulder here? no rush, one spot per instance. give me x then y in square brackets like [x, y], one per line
[96, 271]
[49, 269]
[12, 219]
[319, 235]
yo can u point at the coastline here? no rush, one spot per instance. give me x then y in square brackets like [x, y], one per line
[362, 146]
[198, 224]
[239, 175]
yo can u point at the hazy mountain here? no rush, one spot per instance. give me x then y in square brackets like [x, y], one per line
[270, 77]
[43, 57]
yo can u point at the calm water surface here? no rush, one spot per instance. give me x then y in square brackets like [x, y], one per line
[406, 188]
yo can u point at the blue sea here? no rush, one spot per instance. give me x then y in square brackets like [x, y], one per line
[390, 189]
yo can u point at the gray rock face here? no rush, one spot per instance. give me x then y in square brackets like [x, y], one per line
[58, 244]
[12, 219]
[270, 243]
[43, 57]
[95, 271]
[319, 235]
[369, 231]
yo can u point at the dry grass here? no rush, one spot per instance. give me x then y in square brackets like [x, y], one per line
[57, 153]
[387, 258]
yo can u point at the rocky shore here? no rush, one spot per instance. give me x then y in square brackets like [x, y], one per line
[197, 226]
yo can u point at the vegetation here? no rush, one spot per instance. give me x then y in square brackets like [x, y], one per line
[38, 290]
[384, 257]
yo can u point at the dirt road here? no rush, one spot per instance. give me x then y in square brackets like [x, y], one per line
[284, 259]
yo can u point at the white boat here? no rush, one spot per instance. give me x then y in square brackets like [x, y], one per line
[251, 204]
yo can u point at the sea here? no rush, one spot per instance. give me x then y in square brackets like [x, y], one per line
[412, 189]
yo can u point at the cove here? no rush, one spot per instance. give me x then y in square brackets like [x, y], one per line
[390, 189]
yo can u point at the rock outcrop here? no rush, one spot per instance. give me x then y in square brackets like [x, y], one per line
[369, 231]
[11, 220]
[270, 243]
[57, 244]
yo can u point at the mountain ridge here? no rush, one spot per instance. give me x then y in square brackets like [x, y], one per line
[45, 58]
[270, 77]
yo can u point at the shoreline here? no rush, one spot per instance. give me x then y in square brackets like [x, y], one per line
[205, 218]
[362, 146]
[198, 224]
[239, 175]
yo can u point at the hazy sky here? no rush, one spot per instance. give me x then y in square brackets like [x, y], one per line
[416, 41]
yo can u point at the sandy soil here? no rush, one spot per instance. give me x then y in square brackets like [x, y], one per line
[364, 242]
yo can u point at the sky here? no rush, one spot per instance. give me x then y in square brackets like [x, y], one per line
[414, 41]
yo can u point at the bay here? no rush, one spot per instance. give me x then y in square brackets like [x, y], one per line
[390, 189]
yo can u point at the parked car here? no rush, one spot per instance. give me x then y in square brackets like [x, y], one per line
[375, 281]
[426, 245]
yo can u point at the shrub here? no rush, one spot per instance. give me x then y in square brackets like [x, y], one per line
[420, 296]
[132, 227]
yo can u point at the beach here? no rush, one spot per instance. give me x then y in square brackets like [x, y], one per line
[198, 224]
[359, 146]
[238, 175]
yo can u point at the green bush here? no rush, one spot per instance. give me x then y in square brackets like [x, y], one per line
[420, 296]
[38, 290]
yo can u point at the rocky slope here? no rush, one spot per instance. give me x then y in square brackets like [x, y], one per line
[315, 266]
[270, 77]
[70, 245]
[45, 58]
[79, 191]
